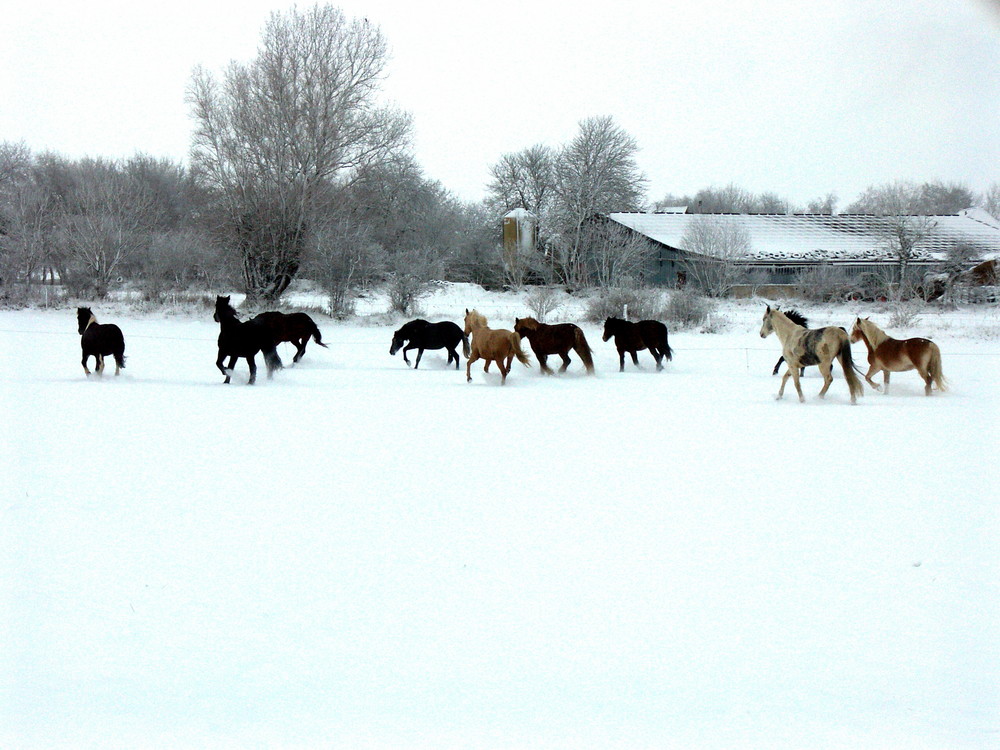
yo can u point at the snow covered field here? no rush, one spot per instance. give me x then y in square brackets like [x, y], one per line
[355, 554]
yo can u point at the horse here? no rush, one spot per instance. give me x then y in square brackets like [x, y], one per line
[493, 345]
[243, 339]
[99, 341]
[420, 335]
[819, 346]
[555, 339]
[799, 319]
[296, 328]
[899, 355]
[631, 337]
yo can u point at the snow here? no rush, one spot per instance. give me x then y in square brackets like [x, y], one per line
[356, 554]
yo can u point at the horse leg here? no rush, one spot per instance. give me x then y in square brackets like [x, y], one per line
[826, 369]
[777, 365]
[658, 356]
[621, 360]
[232, 367]
[468, 366]
[784, 380]
[794, 371]
[872, 370]
[453, 353]
[100, 364]
[405, 350]
[503, 371]
[420, 353]
[566, 360]
[635, 357]
[542, 364]
[926, 375]
[885, 378]
[252, 364]
[84, 363]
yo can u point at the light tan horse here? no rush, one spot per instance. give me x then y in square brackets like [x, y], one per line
[499, 345]
[802, 347]
[898, 355]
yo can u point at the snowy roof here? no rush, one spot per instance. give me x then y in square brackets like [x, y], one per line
[819, 237]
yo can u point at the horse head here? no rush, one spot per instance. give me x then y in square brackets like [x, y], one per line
[398, 340]
[523, 325]
[767, 328]
[611, 326]
[473, 320]
[223, 308]
[84, 317]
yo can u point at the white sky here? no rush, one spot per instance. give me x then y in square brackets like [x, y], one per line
[795, 97]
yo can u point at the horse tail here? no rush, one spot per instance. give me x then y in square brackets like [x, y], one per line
[317, 336]
[465, 345]
[847, 363]
[272, 359]
[584, 350]
[515, 342]
[120, 360]
[934, 368]
[667, 351]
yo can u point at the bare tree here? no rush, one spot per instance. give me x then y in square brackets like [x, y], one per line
[522, 180]
[901, 236]
[595, 173]
[279, 129]
[717, 245]
[615, 255]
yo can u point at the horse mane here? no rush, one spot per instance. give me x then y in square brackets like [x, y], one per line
[529, 323]
[222, 305]
[796, 317]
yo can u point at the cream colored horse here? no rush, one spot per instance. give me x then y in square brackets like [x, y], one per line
[499, 345]
[802, 347]
[894, 355]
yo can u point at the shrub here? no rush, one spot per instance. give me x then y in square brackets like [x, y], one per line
[542, 300]
[620, 302]
[685, 309]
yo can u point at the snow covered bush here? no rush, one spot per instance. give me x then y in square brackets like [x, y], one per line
[624, 302]
[685, 309]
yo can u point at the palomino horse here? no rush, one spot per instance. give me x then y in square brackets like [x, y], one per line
[500, 346]
[632, 337]
[555, 339]
[419, 334]
[98, 341]
[820, 346]
[894, 355]
[296, 328]
[243, 339]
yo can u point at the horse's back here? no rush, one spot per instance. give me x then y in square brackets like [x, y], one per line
[105, 338]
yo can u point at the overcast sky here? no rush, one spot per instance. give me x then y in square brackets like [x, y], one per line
[797, 98]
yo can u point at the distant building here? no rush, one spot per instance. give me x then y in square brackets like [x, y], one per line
[783, 246]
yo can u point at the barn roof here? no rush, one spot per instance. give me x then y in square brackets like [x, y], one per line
[819, 237]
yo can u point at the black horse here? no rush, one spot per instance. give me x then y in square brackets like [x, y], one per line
[296, 328]
[243, 339]
[423, 335]
[631, 337]
[98, 341]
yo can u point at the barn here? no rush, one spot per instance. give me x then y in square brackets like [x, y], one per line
[784, 248]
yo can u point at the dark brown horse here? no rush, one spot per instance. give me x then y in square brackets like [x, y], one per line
[898, 355]
[99, 341]
[632, 337]
[555, 339]
[296, 328]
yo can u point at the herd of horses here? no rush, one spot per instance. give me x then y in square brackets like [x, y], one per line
[801, 346]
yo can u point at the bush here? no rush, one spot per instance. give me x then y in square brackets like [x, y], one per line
[687, 310]
[542, 300]
[636, 304]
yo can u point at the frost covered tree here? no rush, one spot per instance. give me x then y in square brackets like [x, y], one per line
[276, 132]
[718, 245]
[595, 173]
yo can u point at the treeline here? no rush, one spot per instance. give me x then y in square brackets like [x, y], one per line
[298, 169]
